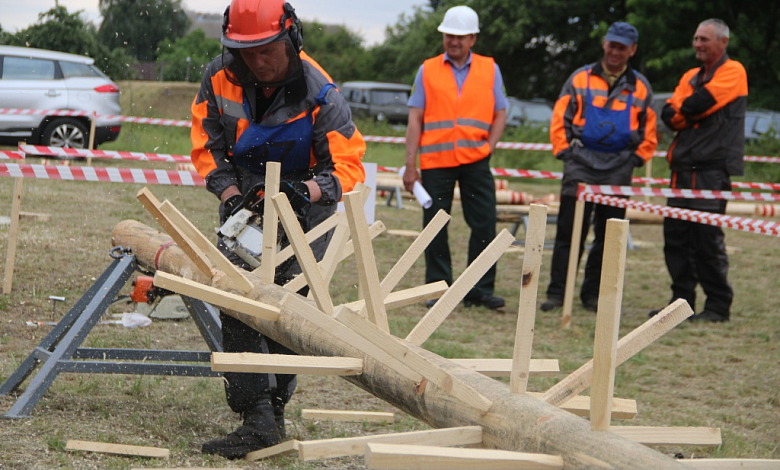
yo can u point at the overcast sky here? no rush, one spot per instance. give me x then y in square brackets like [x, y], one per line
[365, 17]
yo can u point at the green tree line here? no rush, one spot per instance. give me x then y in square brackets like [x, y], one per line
[537, 43]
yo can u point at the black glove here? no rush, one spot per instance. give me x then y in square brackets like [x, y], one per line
[226, 208]
[298, 194]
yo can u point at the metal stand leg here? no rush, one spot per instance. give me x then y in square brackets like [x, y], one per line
[59, 351]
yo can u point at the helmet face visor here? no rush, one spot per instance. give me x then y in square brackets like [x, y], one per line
[238, 41]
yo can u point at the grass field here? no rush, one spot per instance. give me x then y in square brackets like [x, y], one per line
[724, 375]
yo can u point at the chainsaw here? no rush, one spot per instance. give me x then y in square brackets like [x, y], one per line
[242, 232]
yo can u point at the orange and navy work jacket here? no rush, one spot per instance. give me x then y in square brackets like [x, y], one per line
[570, 114]
[456, 125]
[708, 113]
[219, 119]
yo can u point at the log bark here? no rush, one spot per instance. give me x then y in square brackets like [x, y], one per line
[515, 422]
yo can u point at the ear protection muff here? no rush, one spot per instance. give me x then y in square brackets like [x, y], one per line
[295, 31]
[225, 20]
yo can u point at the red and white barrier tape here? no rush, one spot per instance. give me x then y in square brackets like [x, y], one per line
[735, 184]
[8, 154]
[73, 152]
[44, 112]
[763, 227]
[108, 175]
[678, 193]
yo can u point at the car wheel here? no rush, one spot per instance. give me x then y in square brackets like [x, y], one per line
[65, 133]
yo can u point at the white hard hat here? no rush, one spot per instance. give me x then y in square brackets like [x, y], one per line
[460, 21]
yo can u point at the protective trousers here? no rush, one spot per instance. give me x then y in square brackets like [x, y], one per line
[478, 199]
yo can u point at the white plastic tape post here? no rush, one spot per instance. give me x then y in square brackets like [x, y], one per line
[419, 192]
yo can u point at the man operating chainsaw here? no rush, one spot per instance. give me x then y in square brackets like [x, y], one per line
[265, 100]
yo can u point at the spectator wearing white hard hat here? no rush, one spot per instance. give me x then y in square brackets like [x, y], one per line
[457, 114]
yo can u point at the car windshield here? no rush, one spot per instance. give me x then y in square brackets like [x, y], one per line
[74, 69]
[389, 97]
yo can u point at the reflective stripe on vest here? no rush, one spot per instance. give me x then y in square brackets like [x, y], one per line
[456, 125]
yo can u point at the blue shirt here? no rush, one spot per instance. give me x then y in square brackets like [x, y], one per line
[417, 100]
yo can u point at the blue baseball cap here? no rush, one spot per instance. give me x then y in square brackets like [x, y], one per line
[623, 33]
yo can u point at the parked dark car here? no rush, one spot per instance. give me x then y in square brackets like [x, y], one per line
[377, 100]
[535, 112]
[40, 79]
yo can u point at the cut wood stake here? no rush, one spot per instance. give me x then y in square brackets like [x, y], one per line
[402, 298]
[348, 415]
[574, 261]
[397, 349]
[303, 253]
[503, 367]
[13, 236]
[198, 258]
[731, 464]
[447, 303]
[366, 262]
[121, 449]
[285, 448]
[313, 234]
[300, 281]
[285, 364]
[342, 447]
[608, 323]
[270, 223]
[402, 457]
[418, 246]
[235, 274]
[526, 312]
[629, 345]
[212, 295]
[579, 405]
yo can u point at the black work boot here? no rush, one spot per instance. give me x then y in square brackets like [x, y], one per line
[258, 432]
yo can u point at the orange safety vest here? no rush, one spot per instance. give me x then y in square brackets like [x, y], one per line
[456, 126]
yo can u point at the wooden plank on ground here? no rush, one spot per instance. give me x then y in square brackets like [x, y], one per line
[402, 298]
[732, 464]
[120, 449]
[233, 272]
[526, 311]
[348, 415]
[608, 324]
[402, 457]
[677, 436]
[35, 216]
[503, 367]
[447, 303]
[215, 296]
[341, 447]
[267, 268]
[622, 408]
[395, 348]
[303, 253]
[366, 261]
[284, 448]
[195, 254]
[629, 345]
[285, 364]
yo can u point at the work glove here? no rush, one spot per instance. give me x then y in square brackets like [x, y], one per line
[298, 194]
[226, 208]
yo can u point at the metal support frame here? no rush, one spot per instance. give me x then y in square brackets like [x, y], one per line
[59, 351]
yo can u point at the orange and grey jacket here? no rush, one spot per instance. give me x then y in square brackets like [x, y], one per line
[456, 125]
[570, 114]
[708, 113]
[219, 119]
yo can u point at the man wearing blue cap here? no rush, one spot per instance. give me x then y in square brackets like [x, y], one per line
[602, 128]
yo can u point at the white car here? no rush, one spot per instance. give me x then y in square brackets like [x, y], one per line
[48, 80]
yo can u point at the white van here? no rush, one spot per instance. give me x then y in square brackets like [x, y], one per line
[40, 79]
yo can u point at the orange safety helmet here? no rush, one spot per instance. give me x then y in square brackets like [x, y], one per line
[249, 23]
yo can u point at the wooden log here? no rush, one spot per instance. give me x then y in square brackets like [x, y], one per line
[513, 422]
